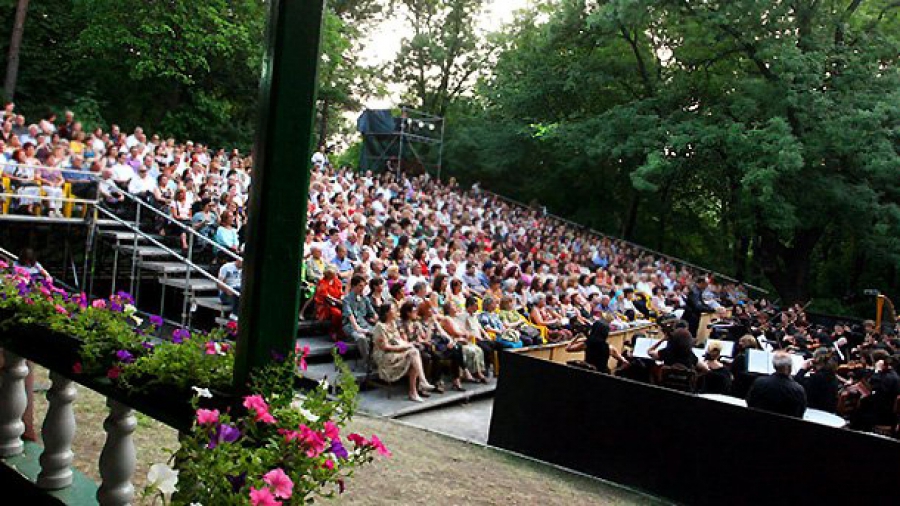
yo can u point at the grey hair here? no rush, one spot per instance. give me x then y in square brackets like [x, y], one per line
[538, 298]
[782, 362]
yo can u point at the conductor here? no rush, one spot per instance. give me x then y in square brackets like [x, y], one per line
[695, 305]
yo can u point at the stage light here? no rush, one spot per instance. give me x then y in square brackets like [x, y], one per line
[421, 125]
[431, 126]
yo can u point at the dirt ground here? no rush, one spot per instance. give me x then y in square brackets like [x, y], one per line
[426, 468]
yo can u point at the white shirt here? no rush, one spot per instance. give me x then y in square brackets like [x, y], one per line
[122, 172]
[141, 184]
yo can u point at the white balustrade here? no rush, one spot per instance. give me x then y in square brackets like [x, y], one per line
[13, 401]
[58, 433]
[117, 460]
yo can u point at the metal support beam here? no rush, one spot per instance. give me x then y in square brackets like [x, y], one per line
[270, 295]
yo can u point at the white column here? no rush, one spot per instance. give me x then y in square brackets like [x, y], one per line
[13, 401]
[117, 461]
[58, 433]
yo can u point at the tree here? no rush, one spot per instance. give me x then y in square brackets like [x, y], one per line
[754, 137]
[441, 60]
[15, 44]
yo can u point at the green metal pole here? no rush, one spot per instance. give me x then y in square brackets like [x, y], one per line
[270, 294]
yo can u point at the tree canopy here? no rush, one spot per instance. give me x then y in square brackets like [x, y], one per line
[754, 136]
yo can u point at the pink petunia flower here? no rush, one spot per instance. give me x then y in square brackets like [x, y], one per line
[113, 373]
[329, 464]
[332, 431]
[262, 497]
[207, 417]
[280, 483]
[357, 439]
[61, 310]
[379, 446]
[99, 304]
[258, 405]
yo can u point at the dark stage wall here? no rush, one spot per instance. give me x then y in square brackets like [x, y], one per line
[682, 447]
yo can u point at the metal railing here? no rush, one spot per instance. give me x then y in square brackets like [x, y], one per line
[629, 243]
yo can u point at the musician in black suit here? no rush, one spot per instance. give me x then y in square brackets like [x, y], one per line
[695, 305]
[778, 392]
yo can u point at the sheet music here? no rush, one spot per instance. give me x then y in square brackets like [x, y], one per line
[642, 346]
[727, 346]
[760, 362]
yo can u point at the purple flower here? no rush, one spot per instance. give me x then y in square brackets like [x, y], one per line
[125, 356]
[278, 357]
[180, 335]
[237, 482]
[115, 307]
[147, 346]
[156, 320]
[337, 448]
[223, 434]
[23, 289]
[341, 347]
[125, 297]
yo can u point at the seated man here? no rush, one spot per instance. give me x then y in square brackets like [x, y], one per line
[778, 393]
[84, 185]
[342, 263]
[230, 285]
[359, 316]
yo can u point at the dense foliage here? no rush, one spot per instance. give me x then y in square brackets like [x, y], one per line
[185, 69]
[756, 137]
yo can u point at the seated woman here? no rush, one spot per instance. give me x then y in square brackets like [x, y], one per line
[227, 235]
[506, 337]
[596, 349]
[394, 357]
[512, 319]
[443, 346]
[52, 182]
[677, 350]
[24, 180]
[416, 334]
[328, 300]
[181, 211]
[742, 378]
[718, 379]
[472, 354]
[543, 317]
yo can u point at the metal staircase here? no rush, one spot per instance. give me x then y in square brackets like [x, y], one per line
[150, 255]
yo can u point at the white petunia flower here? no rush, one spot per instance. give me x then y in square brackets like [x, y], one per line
[202, 392]
[163, 478]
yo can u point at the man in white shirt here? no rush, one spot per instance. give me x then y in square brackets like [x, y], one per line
[141, 185]
[134, 139]
[122, 172]
[320, 159]
[230, 275]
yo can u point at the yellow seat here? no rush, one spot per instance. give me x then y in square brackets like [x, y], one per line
[7, 188]
[67, 206]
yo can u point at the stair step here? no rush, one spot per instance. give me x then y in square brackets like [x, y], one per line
[327, 371]
[312, 327]
[121, 236]
[145, 251]
[194, 285]
[164, 267]
[213, 303]
[108, 224]
[321, 346]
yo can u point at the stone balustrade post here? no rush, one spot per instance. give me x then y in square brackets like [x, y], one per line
[117, 460]
[58, 433]
[13, 401]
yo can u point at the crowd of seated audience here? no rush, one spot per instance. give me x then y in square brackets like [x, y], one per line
[431, 281]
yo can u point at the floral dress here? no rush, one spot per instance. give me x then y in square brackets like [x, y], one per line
[391, 365]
